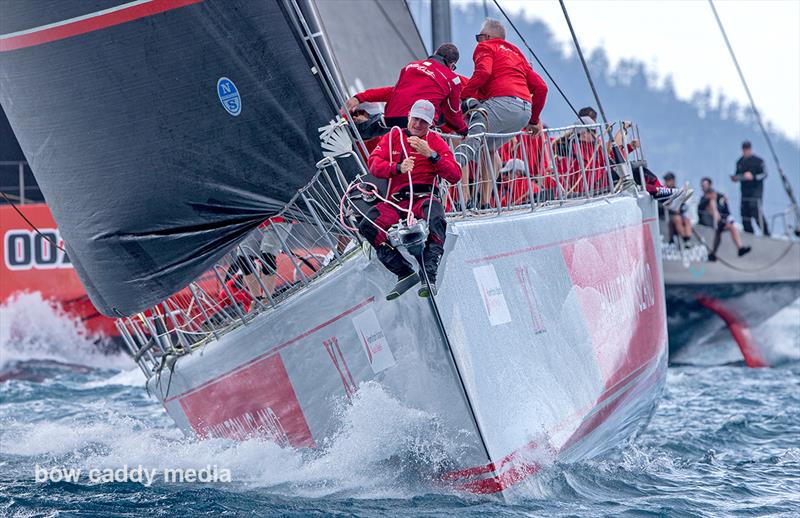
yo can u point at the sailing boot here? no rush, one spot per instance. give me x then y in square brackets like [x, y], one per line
[673, 197]
[431, 257]
[403, 285]
[679, 198]
[666, 195]
[394, 261]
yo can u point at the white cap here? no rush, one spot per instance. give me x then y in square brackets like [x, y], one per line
[513, 165]
[424, 110]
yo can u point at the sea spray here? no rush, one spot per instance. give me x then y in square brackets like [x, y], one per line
[34, 328]
[694, 458]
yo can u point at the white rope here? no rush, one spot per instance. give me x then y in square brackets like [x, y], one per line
[358, 184]
[410, 210]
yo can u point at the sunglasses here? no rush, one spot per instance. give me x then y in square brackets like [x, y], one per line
[481, 37]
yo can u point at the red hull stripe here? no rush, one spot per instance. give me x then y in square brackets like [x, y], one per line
[518, 473]
[526, 250]
[88, 23]
[275, 349]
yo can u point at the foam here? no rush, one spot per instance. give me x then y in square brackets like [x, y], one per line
[383, 449]
[33, 328]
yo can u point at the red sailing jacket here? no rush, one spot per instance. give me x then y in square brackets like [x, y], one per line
[425, 79]
[382, 165]
[501, 70]
[587, 161]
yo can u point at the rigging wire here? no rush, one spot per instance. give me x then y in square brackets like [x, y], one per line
[615, 150]
[544, 69]
[585, 66]
[786, 185]
[46, 238]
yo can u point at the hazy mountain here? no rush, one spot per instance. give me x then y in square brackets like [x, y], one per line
[695, 138]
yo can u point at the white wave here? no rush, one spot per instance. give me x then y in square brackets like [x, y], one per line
[790, 456]
[779, 336]
[717, 348]
[382, 450]
[778, 339]
[128, 378]
[33, 328]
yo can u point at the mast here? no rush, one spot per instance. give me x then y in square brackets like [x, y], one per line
[440, 23]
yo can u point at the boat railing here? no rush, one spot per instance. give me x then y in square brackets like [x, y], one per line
[316, 231]
[784, 223]
[522, 169]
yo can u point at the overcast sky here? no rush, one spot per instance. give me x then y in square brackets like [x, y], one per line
[681, 38]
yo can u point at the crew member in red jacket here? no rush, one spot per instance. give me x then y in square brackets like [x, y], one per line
[432, 79]
[509, 92]
[618, 153]
[411, 159]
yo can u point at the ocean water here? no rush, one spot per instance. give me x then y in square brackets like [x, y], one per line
[725, 441]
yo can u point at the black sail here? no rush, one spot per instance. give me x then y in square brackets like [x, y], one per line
[160, 132]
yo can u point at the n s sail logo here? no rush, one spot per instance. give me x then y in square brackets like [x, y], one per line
[28, 250]
[229, 96]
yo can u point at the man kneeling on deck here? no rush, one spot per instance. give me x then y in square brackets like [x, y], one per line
[411, 159]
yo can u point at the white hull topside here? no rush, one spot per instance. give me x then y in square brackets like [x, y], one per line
[556, 320]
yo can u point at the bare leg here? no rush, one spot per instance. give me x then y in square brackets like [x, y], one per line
[687, 227]
[269, 282]
[677, 223]
[485, 186]
[465, 187]
[717, 240]
[737, 239]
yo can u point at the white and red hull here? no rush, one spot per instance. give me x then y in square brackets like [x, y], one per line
[556, 322]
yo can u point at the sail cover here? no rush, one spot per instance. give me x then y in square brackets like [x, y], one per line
[371, 40]
[160, 131]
